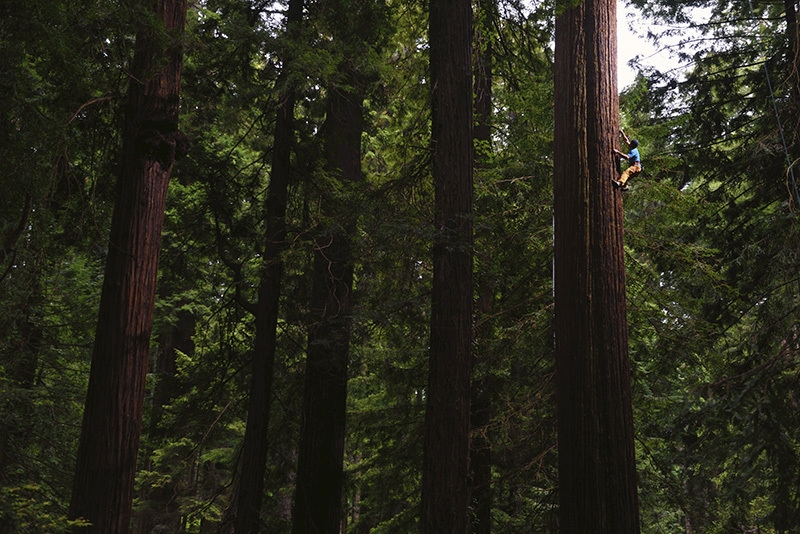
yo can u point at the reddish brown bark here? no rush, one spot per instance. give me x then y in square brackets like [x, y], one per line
[597, 478]
[445, 473]
[104, 476]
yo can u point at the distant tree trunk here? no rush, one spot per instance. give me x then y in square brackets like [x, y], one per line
[481, 405]
[161, 506]
[22, 368]
[106, 464]
[483, 64]
[480, 418]
[254, 450]
[793, 39]
[318, 491]
[597, 477]
[445, 471]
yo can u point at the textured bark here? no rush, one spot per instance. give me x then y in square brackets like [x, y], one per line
[597, 478]
[254, 450]
[104, 476]
[445, 473]
[318, 491]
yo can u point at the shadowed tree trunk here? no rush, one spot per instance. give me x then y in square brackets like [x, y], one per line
[318, 491]
[106, 464]
[793, 50]
[445, 471]
[481, 406]
[162, 508]
[254, 450]
[597, 477]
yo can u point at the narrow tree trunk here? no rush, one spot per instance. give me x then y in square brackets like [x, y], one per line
[254, 451]
[445, 472]
[793, 38]
[161, 508]
[597, 478]
[481, 405]
[318, 491]
[106, 464]
[22, 369]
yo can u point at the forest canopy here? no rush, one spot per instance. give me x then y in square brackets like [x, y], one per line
[303, 241]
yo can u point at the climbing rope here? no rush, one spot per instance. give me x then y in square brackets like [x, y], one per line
[789, 163]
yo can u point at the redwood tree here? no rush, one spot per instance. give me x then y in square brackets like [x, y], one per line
[597, 477]
[445, 486]
[107, 451]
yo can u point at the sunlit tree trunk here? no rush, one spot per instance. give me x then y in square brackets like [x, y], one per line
[106, 464]
[445, 472]
[597, 477]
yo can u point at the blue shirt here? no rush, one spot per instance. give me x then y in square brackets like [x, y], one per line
[633, 156]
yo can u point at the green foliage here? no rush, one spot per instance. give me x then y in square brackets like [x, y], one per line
[712, 283]
[27, 510]
[711, 241]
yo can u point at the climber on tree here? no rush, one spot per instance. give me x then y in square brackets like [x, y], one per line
[634, 161]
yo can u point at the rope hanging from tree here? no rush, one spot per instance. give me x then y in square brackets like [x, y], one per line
[789, 163]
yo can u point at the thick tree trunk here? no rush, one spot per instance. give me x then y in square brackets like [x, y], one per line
[445, 472]
[318, 492]
[597, 477]
[254, 450]
[106, 464]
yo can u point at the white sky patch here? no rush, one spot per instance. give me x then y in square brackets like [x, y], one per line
[632, 42]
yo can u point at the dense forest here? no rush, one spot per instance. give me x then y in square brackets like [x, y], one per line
[326, 266]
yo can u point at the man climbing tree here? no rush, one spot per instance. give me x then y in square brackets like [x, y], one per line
[632, 157]
[102, 490]
[596, 464]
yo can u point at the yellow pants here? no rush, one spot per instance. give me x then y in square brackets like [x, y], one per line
[630, 171]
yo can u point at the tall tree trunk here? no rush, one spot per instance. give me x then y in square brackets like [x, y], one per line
[254, 450]
[597, 477]
[104, 474]
[318, 492]
[445, 472]
[481, 404]
[793, 39]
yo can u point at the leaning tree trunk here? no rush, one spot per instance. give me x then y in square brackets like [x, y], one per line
[106, 464]
[318, 491]
[445, 470]
[597, 477]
